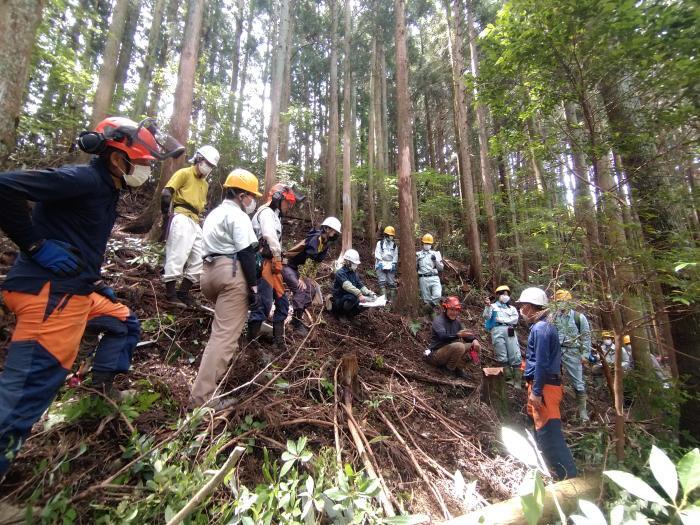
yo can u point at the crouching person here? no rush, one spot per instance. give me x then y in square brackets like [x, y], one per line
[451, 346]
[348, 290]
[229, 279]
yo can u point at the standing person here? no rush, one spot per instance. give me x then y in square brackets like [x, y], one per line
[348, 290]
[315, 247]
[451, 346]
[575, 340]
[542, 373]
[502, 319]
[229, 279]
[386, 256]
[53, 287]
[429, 264]
[267, 226]
[608, 349]
[185, 196]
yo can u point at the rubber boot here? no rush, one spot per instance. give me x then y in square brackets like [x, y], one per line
[103, 382]
[507, 372]
[382, 290]
[517, 377]
[581, 405]
[392, 295]
[171, 294]
[278, 334]
[183, 294]
[253, 330]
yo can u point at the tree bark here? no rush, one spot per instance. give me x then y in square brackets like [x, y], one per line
[241, 90]
[286, 94]
[472, 237]
[167, 41]
[19, 20]
[407, 301]
[105, 84]
[333, 125]
[371, 142]
[154, 38]
[347, 131]
[126, 51]
[275, 96]
[236, 60]
[180, 119]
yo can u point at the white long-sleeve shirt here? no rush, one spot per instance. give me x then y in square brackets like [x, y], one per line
[386, 254]
[504, 313]
[425, 264]
[267, 225]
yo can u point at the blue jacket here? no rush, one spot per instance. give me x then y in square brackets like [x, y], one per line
[444, 332]
[345, 274]
[543, 356]
[312, 249]
[74, 204]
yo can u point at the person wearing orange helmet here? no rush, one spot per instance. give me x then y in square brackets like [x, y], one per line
[54, 287]
[267, 224]
[182, 202]
[451, 346]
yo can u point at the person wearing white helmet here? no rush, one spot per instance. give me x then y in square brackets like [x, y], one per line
[348, 290]
[315, 247]
[182, 202]
[543, 376]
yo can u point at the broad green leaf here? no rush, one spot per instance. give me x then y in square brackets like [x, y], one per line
[689, 471]
[285, 467]
[519, 447]
[664, 471]
[592, 512]
[635, 486]
[532, 497]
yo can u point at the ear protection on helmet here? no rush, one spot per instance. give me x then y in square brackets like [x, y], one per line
[92, 142]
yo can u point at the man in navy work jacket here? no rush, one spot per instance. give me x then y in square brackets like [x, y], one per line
[348, 290]
[543, 376]
[54, 287]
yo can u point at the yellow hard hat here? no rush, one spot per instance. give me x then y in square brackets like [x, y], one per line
[243, 180]
[427, 239]
[608, 333]
[389, 230]
[503, 288]
[562, 295]
[626, 340]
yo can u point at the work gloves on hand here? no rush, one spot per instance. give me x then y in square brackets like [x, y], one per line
[105, 291]
[474, 356]
[433, 258]
[59, 257]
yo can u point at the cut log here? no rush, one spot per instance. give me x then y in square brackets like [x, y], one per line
[510, 512]
[493, 391]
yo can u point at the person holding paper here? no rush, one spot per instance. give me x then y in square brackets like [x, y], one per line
[348, 290]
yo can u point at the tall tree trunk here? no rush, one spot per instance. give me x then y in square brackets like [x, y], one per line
[429, 136]
[286, 94]
[275, 96]
[167, 41]
[379, 120]
[182, 111]
[241, 90]
[333, 125]
[126, 50]
[408, 292]
[19, 20]
[236, 60]
[486, 175]
[347, 131]
[385, 124]
[371, 141]
[462, 133]
[154, 38]
[105, 84]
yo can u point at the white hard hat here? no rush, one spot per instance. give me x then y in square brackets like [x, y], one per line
[210, 154]
[333, 223]
[352, 256]
[533, 295]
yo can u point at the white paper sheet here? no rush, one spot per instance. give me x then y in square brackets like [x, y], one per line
[379, 301]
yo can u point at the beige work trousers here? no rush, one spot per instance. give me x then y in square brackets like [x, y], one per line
[452, 356]
[230, 314]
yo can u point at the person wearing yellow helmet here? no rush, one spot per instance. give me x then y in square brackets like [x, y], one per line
[575, 339]
[183, 200]
[608, 349]
[501, 319]
[386, 256]
[229, 280]
[429, 264]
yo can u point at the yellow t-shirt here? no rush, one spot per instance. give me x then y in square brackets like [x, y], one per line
[188, 189]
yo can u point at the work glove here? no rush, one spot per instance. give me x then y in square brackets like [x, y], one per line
[474, 355]
[59, 257]
[106, 291]
[591, 358]
[394, 268]
[277, 266]
[433, 258]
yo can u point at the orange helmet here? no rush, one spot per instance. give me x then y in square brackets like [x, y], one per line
[451, 303]
[142, 141]
[282, 192]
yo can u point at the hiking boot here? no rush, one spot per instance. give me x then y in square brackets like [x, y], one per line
[103, 383]
[171, 295]
[581, 406]
[183, 294]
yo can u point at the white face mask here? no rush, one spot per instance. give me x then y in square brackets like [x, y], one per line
[250, 207]
[607, 341]
[504, 298]
[204, 168]
[353, 266]
[139, 174]
[427, 247]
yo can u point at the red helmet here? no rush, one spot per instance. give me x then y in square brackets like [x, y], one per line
[282, 192]
[451, 303]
